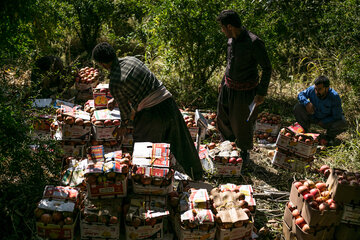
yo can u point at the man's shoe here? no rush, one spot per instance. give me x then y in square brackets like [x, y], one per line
[245, 157]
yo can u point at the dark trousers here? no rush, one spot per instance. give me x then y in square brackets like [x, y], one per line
[164, 123]
[305, 120]
[232, 113]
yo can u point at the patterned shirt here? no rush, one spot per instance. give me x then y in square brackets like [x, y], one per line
[130, 82]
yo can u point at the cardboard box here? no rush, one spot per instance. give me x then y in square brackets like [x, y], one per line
[107, 189]
[145, 232]
[288, 218]
[74, 150]
[342, 193]
[216, 168]
[314, 234]
[152, 189]
[54, 231]
[296, 198]
[86, 86]
[316, 218]
[99, 230]
[351, 214]
[287, 231]
[243, 232]
[289, 161]
[300, 149]
[272, 129]
[151, 154]
[347, 232]
[72, 132]
[194, 234]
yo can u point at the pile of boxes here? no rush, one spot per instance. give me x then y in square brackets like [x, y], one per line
[324, 210]
[203, 212]
[295, 149]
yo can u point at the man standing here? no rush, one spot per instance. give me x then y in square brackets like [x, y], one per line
[241, 84]
[157, 117]
[321, 105]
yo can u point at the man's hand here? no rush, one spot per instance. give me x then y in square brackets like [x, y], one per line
[111, 104]
[259, 99]
[310, 108]
[119, 132]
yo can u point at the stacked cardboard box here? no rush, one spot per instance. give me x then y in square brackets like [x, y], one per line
[146, 217]
[57, 212]
[234, 208]
[345, 189]
[295, 149]
[85, 80]
[311, 212]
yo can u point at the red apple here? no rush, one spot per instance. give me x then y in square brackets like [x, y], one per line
[298, 184]
[309, 197]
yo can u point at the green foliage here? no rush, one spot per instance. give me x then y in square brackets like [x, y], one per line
[189, 40]
[23, 171]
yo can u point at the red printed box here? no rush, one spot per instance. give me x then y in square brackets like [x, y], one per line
[151, 154]
[107, 189]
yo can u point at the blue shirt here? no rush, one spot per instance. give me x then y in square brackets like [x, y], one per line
[326, 110]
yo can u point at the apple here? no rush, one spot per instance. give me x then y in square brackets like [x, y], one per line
[305, 228]
[298, 184]
[315, 192]
[324, 206]
[323, 168]
[232, 160]
[295, 213]
[303, 190]
[314, 204]
[300, 221]
[321, 186]
[308, 197]
[239, 160]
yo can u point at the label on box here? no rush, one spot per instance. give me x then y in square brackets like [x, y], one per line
[97, 152]
[151, 154]
[105, 114]
[56, 205]
[60, 192]
[108, 190]
[152, 172]
[199, 198]
[100, 99]
[104, 133]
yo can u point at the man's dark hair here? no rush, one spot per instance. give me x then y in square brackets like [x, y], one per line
[103, 53]
[229, 17]
[322, 80]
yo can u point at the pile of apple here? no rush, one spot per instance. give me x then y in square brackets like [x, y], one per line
[87, 75]
[211, 117]
[97, 213]
[54, 217]
[137, 221]
[269, 118]
[107, 122]
[265, 136]
[347, 178]
[143, 179]
[70, 120]
[225, 160]
[89, 107]
[316, 194]
[299, 220]
[189, 121]
[298, 137]
[103, 176]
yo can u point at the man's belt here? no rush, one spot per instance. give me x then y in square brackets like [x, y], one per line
[240, 86]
